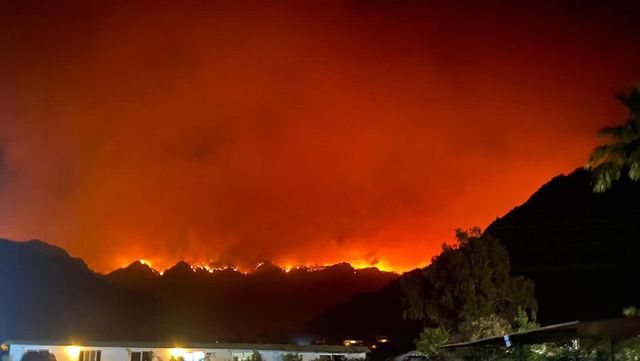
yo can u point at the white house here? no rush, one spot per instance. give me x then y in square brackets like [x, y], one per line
[149, 351]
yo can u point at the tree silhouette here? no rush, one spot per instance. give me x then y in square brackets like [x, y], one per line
[255, 356]
[466, 285]
[622, 151]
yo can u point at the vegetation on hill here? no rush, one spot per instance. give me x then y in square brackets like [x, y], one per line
[467, 292]
[467, 282]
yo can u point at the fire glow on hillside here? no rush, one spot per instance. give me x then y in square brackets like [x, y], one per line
[212, 267]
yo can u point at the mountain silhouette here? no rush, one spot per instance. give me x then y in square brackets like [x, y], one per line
[582, 249]
[46, 292]
[52, 295]
[137, 274]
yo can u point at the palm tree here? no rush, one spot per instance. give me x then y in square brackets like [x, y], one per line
[622, 151]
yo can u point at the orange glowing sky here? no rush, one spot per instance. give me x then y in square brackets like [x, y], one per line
[302, 132]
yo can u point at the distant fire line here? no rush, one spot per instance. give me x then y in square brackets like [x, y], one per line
[287, 268]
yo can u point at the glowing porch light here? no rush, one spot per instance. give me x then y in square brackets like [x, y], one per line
[73, 351]
[177, 352]
[382, 339]
[351, 342]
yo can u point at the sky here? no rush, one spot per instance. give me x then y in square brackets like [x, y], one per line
[300, 132]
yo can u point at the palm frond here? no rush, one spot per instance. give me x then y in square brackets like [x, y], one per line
[631, 100]
[604, 175]
[634, 171]
[622, 151]
[620, 132]
[613, 130]
[607, 153]
[634, 163]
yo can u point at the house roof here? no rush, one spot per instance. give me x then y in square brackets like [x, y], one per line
[198, 345]
[620, 328]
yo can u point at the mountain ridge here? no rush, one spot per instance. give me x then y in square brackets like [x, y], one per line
[577, 244]
[55, 295]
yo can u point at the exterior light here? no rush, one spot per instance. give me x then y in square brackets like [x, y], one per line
[351, 342]
[177, 352]
[73, 351]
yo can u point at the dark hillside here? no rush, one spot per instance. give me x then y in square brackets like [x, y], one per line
[581, 248]
[47, 294]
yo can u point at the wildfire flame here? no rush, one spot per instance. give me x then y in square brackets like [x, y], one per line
[211, 266]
